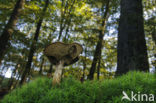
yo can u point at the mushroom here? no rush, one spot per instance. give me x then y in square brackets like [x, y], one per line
[62, 54]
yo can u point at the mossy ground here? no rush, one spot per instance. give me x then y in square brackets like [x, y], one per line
[40, 90]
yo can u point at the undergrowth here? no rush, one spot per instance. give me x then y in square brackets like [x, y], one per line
[73, 91]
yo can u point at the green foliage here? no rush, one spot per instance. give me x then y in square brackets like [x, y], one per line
[73, 91]
[31, 92]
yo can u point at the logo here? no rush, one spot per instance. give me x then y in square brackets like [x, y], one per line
[137, 96]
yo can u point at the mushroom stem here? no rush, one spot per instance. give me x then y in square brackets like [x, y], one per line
[58, 73]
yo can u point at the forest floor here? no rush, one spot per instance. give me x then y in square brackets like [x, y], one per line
[40, 90]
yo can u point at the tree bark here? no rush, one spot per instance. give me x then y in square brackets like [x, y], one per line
[51, 68]
[154, 34]
[9, 28]
[67, 30]
[62, 20]
[49, 74]
[41, 67]
[11, 81]
[84, 65]
[98, 68]
[132, 50]
[98, 49]
[154, 39]
[33, 47]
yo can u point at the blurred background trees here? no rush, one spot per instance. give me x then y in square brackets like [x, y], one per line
[94, 24]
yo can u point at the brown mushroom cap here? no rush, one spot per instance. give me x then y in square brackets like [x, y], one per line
[61, 51]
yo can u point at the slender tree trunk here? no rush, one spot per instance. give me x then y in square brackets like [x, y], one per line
[49, 38]
[1, 73]
[154, 39]
[62, 20]
[49, 74]
[99, 44]
[98, 68]
[33, 47]
[41, 67]
[84, 68]
[132, 50]
[11, 81]
[9, 28]
[84, 65]
[154, 34]
[51, 68]
[17, 82]
[65, 37]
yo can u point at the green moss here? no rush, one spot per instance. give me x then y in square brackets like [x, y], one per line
[72, 91]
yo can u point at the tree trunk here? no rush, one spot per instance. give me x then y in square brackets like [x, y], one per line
[11, 81]
[84, 65]
[33, 47]
[98, 49]
[98, 68]
[84, 68]
[63, 21]
[154, 34]
[132, 50]
[41, 67]
[1, 73]
[9, 28]
[51, 68]
[154, 39]
[49, 74]
[66, 34]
